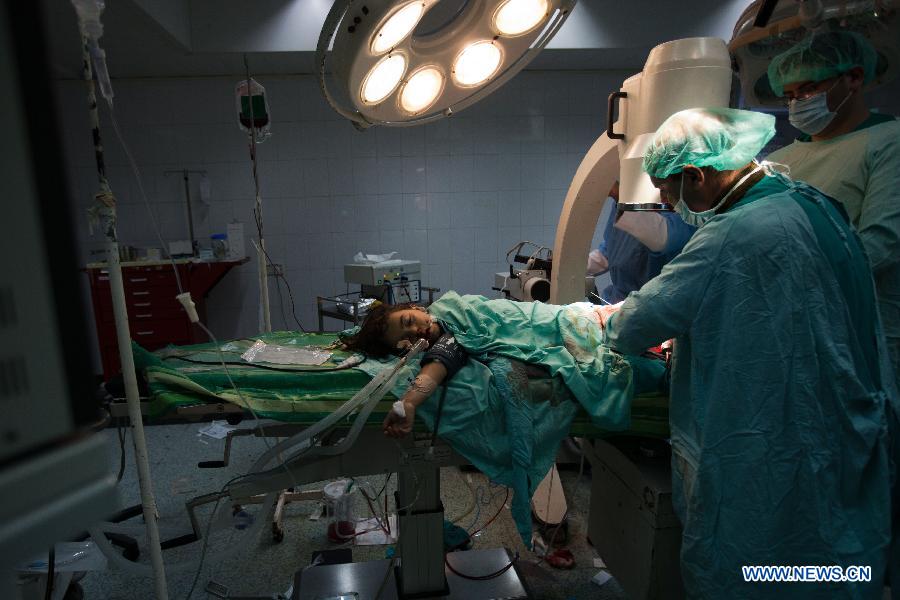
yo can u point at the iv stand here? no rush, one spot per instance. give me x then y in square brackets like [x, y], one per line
[105, 210]
[262, 255]
[186, 173]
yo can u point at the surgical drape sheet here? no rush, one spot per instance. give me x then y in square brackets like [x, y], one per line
[564, 340]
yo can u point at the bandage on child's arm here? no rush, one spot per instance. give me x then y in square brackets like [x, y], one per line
[428, 379]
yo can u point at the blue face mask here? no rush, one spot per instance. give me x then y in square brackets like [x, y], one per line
[698, 219]
[811, 115]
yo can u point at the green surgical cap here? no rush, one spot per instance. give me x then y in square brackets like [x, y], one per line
[722, 138]
[822, 56]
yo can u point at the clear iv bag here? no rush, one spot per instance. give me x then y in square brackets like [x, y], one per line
[253, 109]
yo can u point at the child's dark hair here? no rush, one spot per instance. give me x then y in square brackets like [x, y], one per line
[370, 337]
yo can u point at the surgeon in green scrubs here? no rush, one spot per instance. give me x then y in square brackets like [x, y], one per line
[847, 151]
[853, 155]
[779, 381]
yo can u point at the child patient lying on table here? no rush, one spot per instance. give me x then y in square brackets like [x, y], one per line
[508, 432]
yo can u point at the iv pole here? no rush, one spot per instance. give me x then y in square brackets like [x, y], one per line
[186, 175]
[262, 255]
[105, 210]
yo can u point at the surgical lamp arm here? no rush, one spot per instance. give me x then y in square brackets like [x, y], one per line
[595, 176]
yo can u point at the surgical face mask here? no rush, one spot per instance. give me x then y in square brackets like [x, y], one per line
[698, 219]
[811, 115]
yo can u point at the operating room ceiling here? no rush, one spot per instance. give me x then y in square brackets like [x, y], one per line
[195, 38]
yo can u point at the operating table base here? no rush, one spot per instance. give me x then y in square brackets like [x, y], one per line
[361, 581]
[632, 523]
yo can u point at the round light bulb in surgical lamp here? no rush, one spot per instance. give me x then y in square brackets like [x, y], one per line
[476, 64]
[398, 26]
[421, 90]
[383, 78]
[400, 63]
[515, 17]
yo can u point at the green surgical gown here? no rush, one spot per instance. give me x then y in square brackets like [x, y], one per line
[778, 420]
[861, 170]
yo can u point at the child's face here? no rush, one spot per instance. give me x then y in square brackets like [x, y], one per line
[410, 325]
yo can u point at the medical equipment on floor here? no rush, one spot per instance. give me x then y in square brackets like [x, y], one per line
[753, 43]
[399, 63]
[339, 511]
[531, 282]
[631, 514]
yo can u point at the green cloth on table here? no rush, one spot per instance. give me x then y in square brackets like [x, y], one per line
[305, 395]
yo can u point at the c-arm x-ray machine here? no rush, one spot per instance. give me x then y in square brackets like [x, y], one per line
[678, 75]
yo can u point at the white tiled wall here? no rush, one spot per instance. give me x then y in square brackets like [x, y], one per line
[456, 194]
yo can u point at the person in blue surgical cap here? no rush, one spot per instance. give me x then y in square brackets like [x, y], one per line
[635, 247]
[780, 379]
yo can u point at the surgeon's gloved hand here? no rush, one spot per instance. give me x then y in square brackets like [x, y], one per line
[397, 425]
[597, 263]
[606, 311]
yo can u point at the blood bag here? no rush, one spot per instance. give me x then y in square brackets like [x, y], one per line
[253, 109]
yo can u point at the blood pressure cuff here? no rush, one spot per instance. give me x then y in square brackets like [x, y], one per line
[448, 352]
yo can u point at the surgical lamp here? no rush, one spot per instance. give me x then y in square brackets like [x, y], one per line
[402, 62]
[793, 20]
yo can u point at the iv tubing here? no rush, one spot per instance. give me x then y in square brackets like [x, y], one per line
[375, 389]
